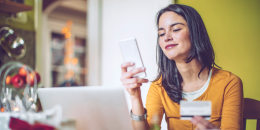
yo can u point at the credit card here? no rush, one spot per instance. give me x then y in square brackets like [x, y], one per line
[188, 109]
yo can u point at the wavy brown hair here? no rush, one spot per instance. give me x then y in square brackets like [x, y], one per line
[201, 49]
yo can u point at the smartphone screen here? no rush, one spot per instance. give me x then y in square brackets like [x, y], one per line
[130, 52]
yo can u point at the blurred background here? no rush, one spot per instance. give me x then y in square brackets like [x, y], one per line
[75, 42]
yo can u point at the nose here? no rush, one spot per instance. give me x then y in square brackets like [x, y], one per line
[168, 37]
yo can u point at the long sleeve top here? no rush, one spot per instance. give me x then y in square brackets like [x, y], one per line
[225, 91]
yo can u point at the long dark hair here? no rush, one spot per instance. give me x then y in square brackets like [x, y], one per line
[201, 49]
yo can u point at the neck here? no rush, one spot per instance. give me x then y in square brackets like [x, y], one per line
[189, 71]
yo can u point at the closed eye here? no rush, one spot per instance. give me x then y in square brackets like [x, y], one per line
[176, 30]
[160, 35]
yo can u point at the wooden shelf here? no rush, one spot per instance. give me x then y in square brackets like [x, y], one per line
[13, 7]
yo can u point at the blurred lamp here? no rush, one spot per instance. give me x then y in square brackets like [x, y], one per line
[11, 43]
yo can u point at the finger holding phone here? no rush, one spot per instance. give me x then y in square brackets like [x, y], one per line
[130, 81]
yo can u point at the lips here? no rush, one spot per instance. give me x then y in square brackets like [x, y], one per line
[169, 46]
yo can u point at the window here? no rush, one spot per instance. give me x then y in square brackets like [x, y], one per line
[68, 63]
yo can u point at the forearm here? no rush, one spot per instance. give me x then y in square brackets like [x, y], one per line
[138, 109]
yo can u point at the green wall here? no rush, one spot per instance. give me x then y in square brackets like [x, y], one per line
[29, 25]
[234, 26]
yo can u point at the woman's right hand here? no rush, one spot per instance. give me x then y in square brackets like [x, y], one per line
[132, 84]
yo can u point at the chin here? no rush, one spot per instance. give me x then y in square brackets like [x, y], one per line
[176, 58]
[171, 54]
[170, 57]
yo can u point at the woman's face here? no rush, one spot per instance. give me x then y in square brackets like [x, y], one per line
[174, 37]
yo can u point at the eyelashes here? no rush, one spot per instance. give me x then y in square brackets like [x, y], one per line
[160, 35]
[175, 30]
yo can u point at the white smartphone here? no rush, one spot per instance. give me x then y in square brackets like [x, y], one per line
[130, 52]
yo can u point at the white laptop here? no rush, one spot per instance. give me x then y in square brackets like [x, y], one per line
[93, 108]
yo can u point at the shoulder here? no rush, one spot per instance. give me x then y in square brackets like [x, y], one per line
[156, 86]
[226, 80]
[224, 76]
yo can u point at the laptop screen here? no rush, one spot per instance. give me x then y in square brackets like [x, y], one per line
[93, 108]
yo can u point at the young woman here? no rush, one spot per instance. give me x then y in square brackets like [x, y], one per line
[186, 72]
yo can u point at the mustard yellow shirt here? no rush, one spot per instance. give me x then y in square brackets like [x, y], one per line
[225, 91]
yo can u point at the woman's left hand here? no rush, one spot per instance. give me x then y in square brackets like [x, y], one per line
[202, 124]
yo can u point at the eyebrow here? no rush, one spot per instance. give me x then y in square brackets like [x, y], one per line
[171, 25]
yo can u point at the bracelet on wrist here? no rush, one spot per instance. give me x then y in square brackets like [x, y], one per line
[139, 118]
